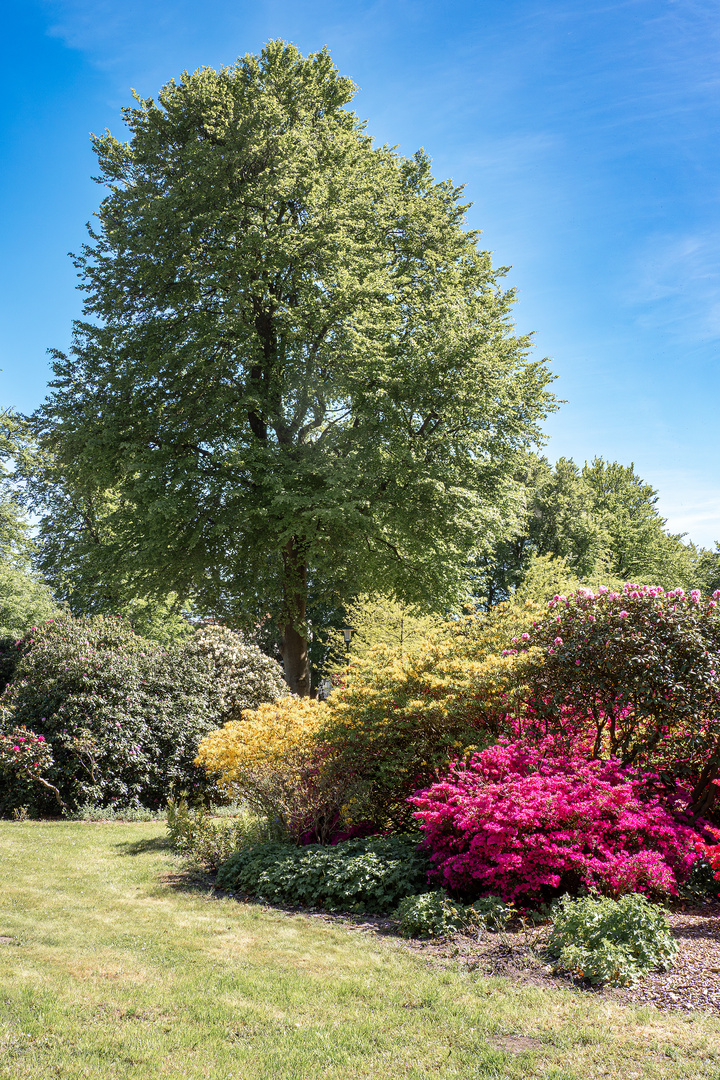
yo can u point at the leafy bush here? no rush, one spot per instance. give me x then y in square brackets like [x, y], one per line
[205, 842]
[432, 914]
[529, 821]
[371, 874]
[493, 912]
[270, 759]
[396, 719]
[121, 716]
[611, 941]
[244, 677]
[9, 654]
[635, 674]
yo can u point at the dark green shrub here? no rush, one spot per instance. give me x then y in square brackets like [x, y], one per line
[122, 716]
[611, 941]
[371, 874]
[701, 884]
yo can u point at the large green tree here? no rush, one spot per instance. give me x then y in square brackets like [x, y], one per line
[295, 359]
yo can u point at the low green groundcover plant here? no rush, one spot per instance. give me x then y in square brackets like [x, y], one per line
[371, 874]
[611, 941]
[435, 914]
[432, 914]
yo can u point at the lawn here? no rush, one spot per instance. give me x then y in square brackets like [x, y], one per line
[113, 965]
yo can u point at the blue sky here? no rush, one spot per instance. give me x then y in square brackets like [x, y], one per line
[586, 135]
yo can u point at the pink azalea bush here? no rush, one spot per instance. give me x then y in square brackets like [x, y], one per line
[529, 821]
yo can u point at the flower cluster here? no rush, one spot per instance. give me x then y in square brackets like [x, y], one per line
[22, 751]
[243, 676]
[528, 821]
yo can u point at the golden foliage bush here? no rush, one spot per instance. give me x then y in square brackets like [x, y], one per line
[263, 739]
[272, 760]
[395, 720]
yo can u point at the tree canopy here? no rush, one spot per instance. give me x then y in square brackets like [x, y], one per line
[295, 364]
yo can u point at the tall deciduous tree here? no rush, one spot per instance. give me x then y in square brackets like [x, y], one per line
[295, 360]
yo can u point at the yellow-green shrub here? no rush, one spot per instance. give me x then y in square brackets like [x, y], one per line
[319, 769]
[271, 759]
[395, 721]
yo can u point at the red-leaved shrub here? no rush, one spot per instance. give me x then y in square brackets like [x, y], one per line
[522, 821]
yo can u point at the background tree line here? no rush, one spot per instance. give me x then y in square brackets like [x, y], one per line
[598, 524]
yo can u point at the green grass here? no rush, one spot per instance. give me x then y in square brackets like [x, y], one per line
[117, 968]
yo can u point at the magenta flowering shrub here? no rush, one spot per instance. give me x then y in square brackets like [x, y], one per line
[635, 675]
[529, 821]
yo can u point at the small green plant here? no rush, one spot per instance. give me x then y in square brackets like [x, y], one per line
[371, 874]
[432, 914]
[493, 912]
[614, 942]
[206, 842]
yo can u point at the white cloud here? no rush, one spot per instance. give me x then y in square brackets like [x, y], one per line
[676, 278]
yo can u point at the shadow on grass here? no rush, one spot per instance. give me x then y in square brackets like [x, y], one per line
[193, 879]
[141, 847]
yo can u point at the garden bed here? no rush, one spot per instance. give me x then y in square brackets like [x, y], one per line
[693, 983]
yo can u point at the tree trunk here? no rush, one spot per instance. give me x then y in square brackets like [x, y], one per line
[296, 661]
